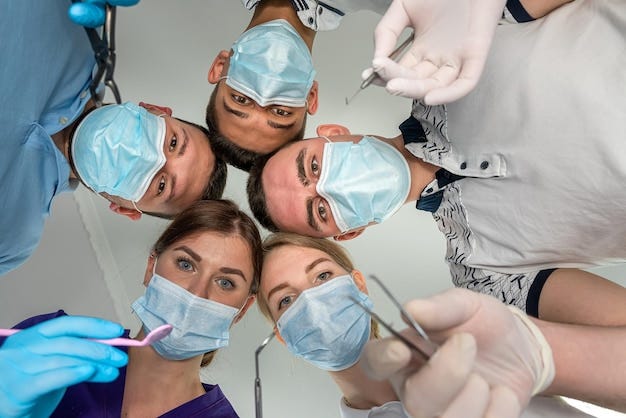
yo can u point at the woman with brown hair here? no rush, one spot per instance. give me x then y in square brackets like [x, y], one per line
[201, 277]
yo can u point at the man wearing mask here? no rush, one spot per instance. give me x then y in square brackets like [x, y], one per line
[518, 221]
[265, 83]
[138, 157]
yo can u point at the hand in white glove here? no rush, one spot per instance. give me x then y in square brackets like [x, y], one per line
[492, 361]
[446, 59]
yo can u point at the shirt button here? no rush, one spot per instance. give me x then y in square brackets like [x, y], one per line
[83, 94]
[463, 165]
[62, 120]
[484, 165]
[429, 190]
[319, 10]
[311, 20]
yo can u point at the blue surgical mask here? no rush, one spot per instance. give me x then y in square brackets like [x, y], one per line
[118, 149]
[325, 327]
[363, 182]
[271, 64]
[200, 325]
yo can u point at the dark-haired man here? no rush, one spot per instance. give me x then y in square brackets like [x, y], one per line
[138, 157]
[522, 195]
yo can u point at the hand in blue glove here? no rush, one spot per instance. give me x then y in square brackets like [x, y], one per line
[40, 362]
[90, 13]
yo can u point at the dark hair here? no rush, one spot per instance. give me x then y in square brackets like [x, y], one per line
[256, 194]
[217, 180]
[232, 153]
[221, 216]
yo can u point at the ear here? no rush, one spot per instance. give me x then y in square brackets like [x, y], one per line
[156, 109]
[131, 214]
[218, 67]
[349, 235]
[312, 99]
[359, 280]
[149, 269]
[332, 130]
[245, 307]
[278, 336]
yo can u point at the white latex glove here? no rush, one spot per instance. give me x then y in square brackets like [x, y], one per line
[492, 360]
[446, 59]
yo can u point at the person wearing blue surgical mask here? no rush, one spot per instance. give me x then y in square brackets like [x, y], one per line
[518, 223]
[264, 86]
[140, 158]
[265, 83]
[306, 290]
[201, 277]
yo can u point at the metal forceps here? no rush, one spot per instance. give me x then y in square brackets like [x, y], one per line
[104, 49]
[425, 347]
[394, 55]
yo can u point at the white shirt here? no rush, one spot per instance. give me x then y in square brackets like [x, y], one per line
[327, 15]
[544, 135]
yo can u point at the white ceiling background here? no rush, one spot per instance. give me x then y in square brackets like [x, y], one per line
[95, 267]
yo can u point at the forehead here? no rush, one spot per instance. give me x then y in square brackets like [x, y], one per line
[285, 195]
[288, 262]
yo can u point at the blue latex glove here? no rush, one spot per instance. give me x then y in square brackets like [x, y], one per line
[39, 363]
[90, 13]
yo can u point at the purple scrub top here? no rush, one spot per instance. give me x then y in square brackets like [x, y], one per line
[104, 400]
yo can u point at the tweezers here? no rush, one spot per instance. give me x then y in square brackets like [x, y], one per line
[394, 55]
[426, 348]
[104, 49]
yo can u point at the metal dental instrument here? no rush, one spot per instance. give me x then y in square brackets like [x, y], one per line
[104, 49]
[424, 347]
[394, 55]
[257, 381]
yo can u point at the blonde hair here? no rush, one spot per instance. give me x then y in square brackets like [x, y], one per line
[336, 252]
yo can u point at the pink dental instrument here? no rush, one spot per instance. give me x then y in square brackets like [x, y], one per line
[153, 336]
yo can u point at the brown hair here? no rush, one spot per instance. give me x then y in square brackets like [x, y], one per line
[335, 251]
[221, 216]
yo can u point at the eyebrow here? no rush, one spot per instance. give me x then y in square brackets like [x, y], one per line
[244, 115]
[183, 148]
[310, 218]
[300, 167]
[230, 270]
[276, 289]
[189, 251]
[315, 263]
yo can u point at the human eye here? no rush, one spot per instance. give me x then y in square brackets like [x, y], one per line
[240, 99]
[173, 143]
[184, 264]
[315, 166]
[323, 276]
[321, 210]
[225, 283]
[161, 186]
[285, 301]
[280, 112]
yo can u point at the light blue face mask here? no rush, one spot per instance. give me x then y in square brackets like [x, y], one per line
[271, 64]
[325, 327]
[200, 325]
[118, 149]
[363, 182]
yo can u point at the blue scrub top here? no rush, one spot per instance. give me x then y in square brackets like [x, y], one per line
[104, 400]
[46, 62]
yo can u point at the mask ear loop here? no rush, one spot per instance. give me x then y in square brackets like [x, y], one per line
[326, 138]
[135, 206]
